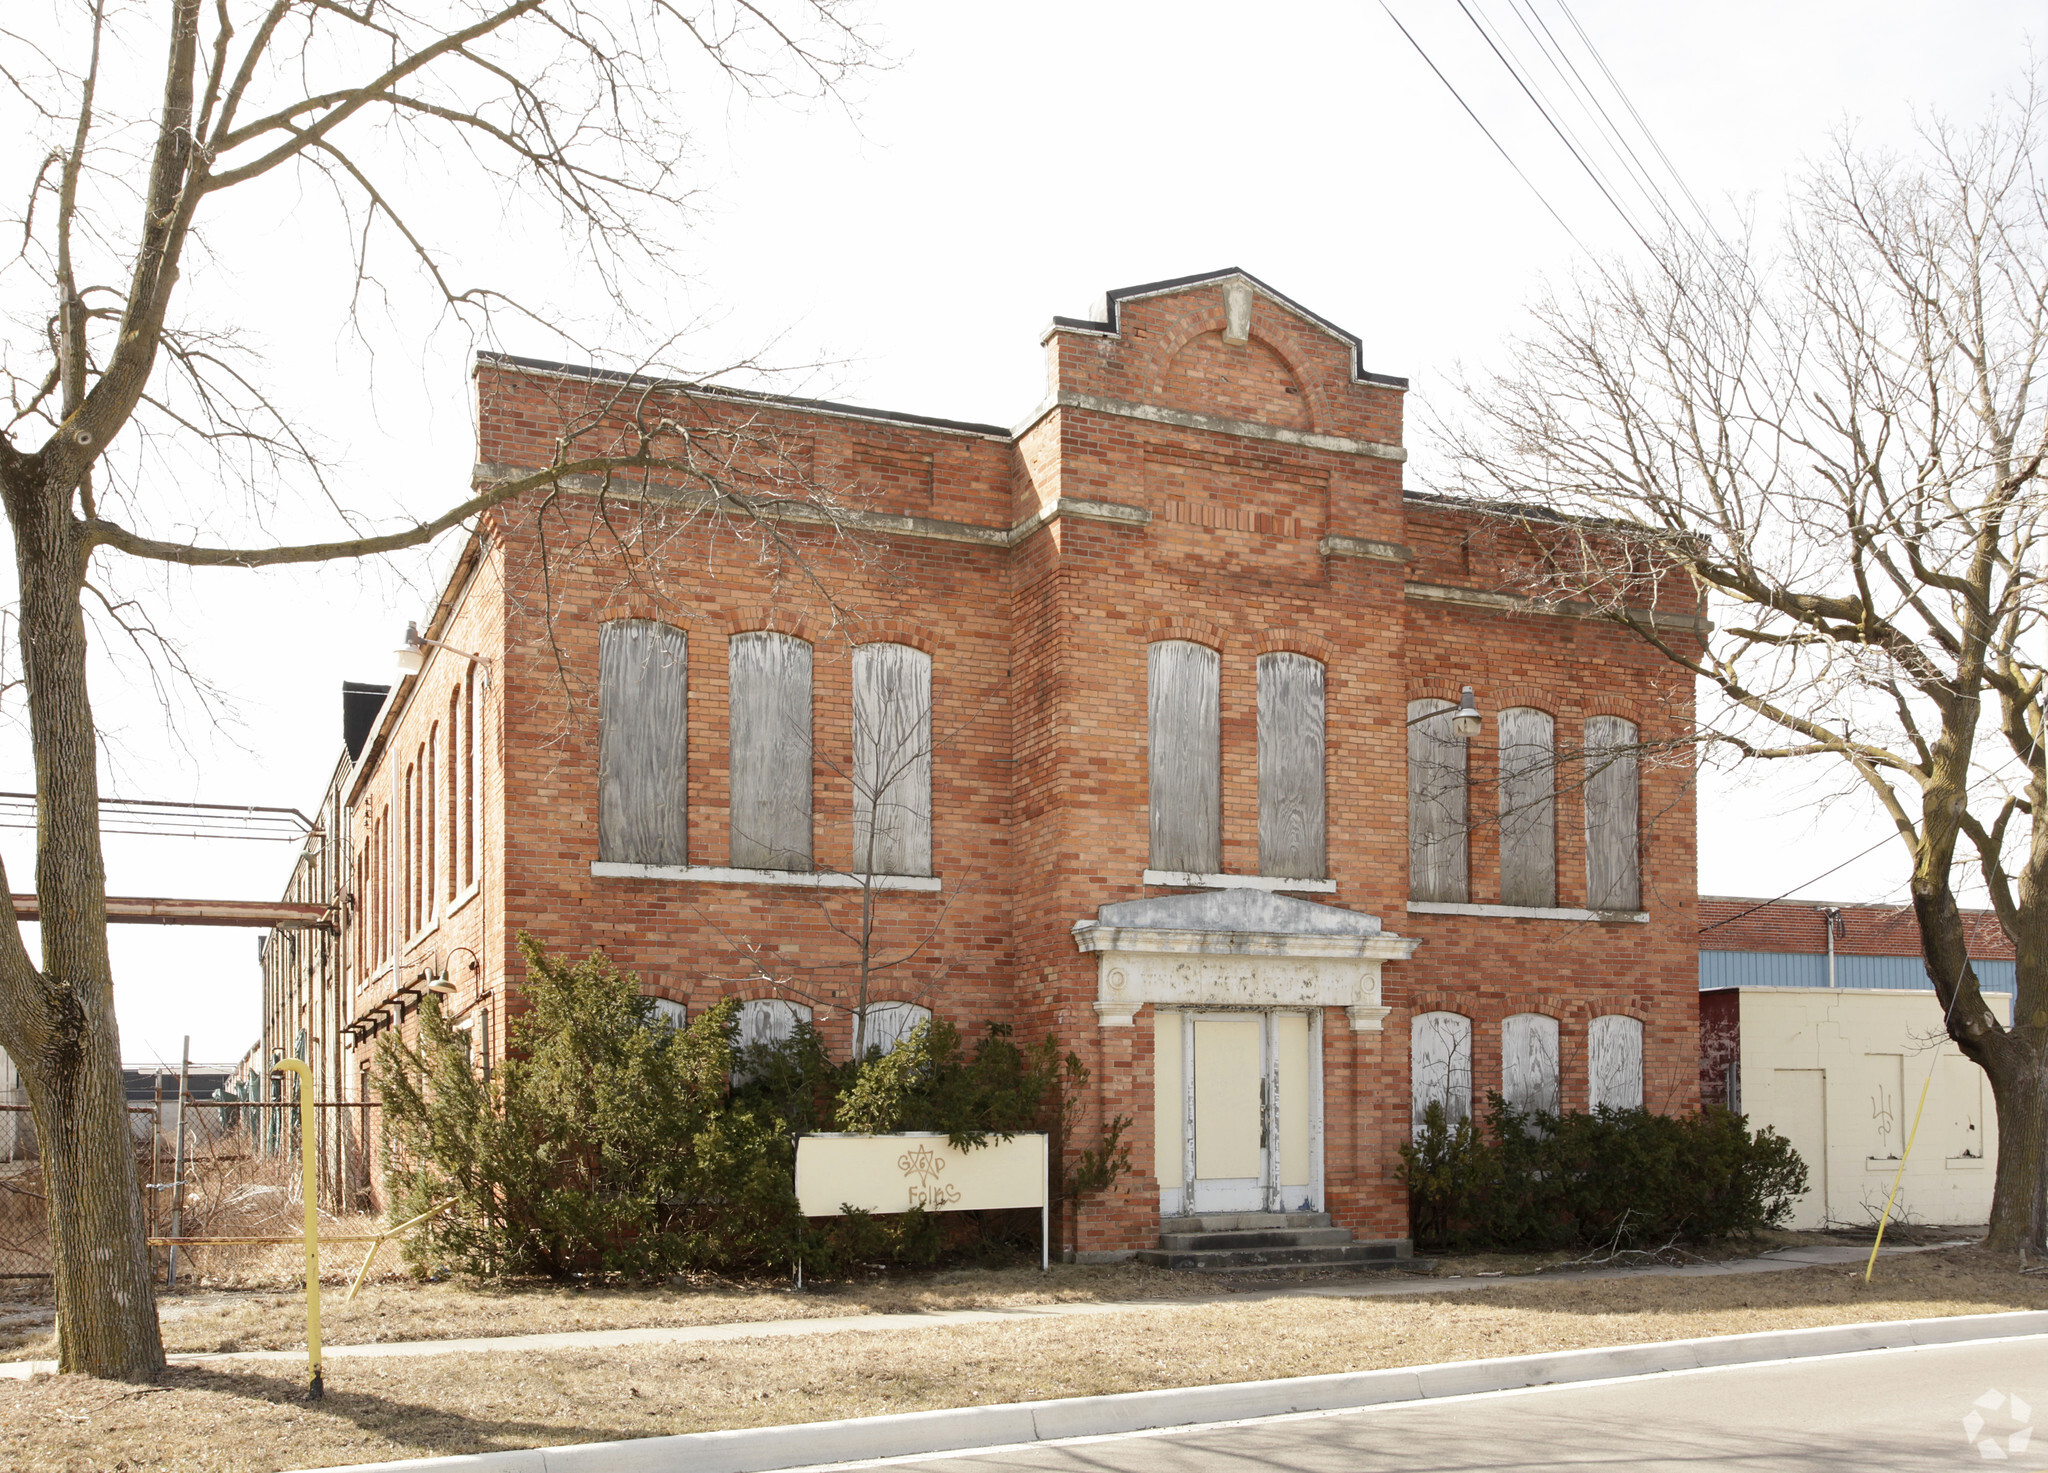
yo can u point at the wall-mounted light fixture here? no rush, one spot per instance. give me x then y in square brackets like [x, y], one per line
[412, 655]
[1465, 720]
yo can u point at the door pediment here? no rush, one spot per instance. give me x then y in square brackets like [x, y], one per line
[1237, 948]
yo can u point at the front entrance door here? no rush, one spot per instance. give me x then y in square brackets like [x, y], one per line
[1238, 1110]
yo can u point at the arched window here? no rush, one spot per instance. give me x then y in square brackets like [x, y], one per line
[1528, 808]
[472, 758]
[892, 760]
[1528, 1063]
[1613, 867]
[670, 1013]
[1436, 804]
[1291, 824]
[1614, 1062]
[1185, 756]
[770, 1020]
[430, 824]
[883, 1025]
[1440, 1065]
[643, 743]
[409, 853]
[451, 798]
[770, 751]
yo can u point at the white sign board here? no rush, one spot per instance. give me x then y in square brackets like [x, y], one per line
[894, 1173]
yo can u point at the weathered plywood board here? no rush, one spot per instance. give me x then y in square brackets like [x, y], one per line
[1614, 1062]
[1528, 1063]
[1436, 805]
[1291, 805]
[894, 1173]
[1613, 867]
[643, 743]
[770, 751]
[1440, 1065]
[1186, 756]
[892, 760]
[883, 1025]
[1528, 807]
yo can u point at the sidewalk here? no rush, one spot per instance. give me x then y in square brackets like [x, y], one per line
[1774, 1262]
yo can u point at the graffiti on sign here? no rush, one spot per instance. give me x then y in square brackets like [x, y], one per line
[921, 1170]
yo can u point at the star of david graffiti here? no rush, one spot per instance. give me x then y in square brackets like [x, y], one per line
[921, 1170]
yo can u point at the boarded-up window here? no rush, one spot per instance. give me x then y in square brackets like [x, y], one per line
[1440, 1065]
[892, 760]
[1186, 757]
[1436, 804]
[643, 743]
[1291, 703]
[883, 1025]
[1613, 873]
[1528, 808]
[764, 1022]
[770, 751]
[669, 1013]
[1528, 1063]
[1614, 1062]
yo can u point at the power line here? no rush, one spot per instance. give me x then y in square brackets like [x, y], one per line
[1540, 199]
[1798, 887]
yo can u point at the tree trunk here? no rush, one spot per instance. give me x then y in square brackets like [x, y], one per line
[61, 1017]
[2019, 1085]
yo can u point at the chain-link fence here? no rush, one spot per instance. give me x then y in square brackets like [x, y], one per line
[242, 1176]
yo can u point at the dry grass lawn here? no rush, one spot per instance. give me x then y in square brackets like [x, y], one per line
[222, 1417]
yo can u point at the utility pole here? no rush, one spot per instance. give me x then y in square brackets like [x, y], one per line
[178, 1162]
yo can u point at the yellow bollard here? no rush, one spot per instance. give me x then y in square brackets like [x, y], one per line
[314, 1390]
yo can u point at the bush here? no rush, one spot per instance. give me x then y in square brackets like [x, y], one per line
[612, 1143]
[1612, 1177]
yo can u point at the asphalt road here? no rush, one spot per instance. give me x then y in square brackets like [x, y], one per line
[1887, 1410]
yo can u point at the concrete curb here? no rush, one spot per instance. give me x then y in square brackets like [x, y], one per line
[761, 1449]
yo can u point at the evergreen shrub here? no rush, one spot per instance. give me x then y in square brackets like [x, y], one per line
[1617, 1178]
[611, 1143]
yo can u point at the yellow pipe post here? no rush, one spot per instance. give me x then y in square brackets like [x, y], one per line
[314, 1389]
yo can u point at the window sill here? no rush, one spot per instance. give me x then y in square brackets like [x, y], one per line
[1963, 1163]
[1189, 880]
[1527, 912]
[459, 902]
[704, 874]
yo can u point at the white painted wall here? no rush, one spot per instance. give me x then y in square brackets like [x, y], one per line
[1839, 1072]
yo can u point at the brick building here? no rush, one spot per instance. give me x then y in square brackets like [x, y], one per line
[1135, 724]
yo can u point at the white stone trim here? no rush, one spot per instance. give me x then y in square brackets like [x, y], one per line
[1190, 880]
[1510, 603]
[1216, 424]
[1526, 912]
[705, 874]
[1384, 552]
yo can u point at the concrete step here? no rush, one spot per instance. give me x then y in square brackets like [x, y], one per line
[1243, 1222]
[1301, 1237]
[1248, 1260]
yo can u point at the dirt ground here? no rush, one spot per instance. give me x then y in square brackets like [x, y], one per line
[395, 1307]
[224, 1418]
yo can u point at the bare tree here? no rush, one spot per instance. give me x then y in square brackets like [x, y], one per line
[1835, 436]
[137, 138]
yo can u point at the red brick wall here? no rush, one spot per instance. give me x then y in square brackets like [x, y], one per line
[1039, 660]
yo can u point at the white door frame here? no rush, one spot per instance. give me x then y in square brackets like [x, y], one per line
[1270, 1184]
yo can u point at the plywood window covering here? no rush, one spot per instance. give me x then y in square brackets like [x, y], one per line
[1291, 811]
[1440, 1066]
[770, 751]
[1614, 1062]
[429, 822]
[451, 796]
[472, 755]
[1528, 807]
[1613, 867]
[643, 743]
[1186, 755]
[1528, 1063]
[669, 1012]
[892, 760]
[764, 1022]
[1436, 804]
[882, 1025]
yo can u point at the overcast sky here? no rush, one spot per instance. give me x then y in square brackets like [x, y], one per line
[1014, 163]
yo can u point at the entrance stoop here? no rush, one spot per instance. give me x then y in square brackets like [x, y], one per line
[1243, 1242]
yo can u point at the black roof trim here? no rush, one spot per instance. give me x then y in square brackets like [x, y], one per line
[752, 396]
[1115, 299]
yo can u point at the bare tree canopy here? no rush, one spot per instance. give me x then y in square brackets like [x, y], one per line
[152, 143]
[1836, 431]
